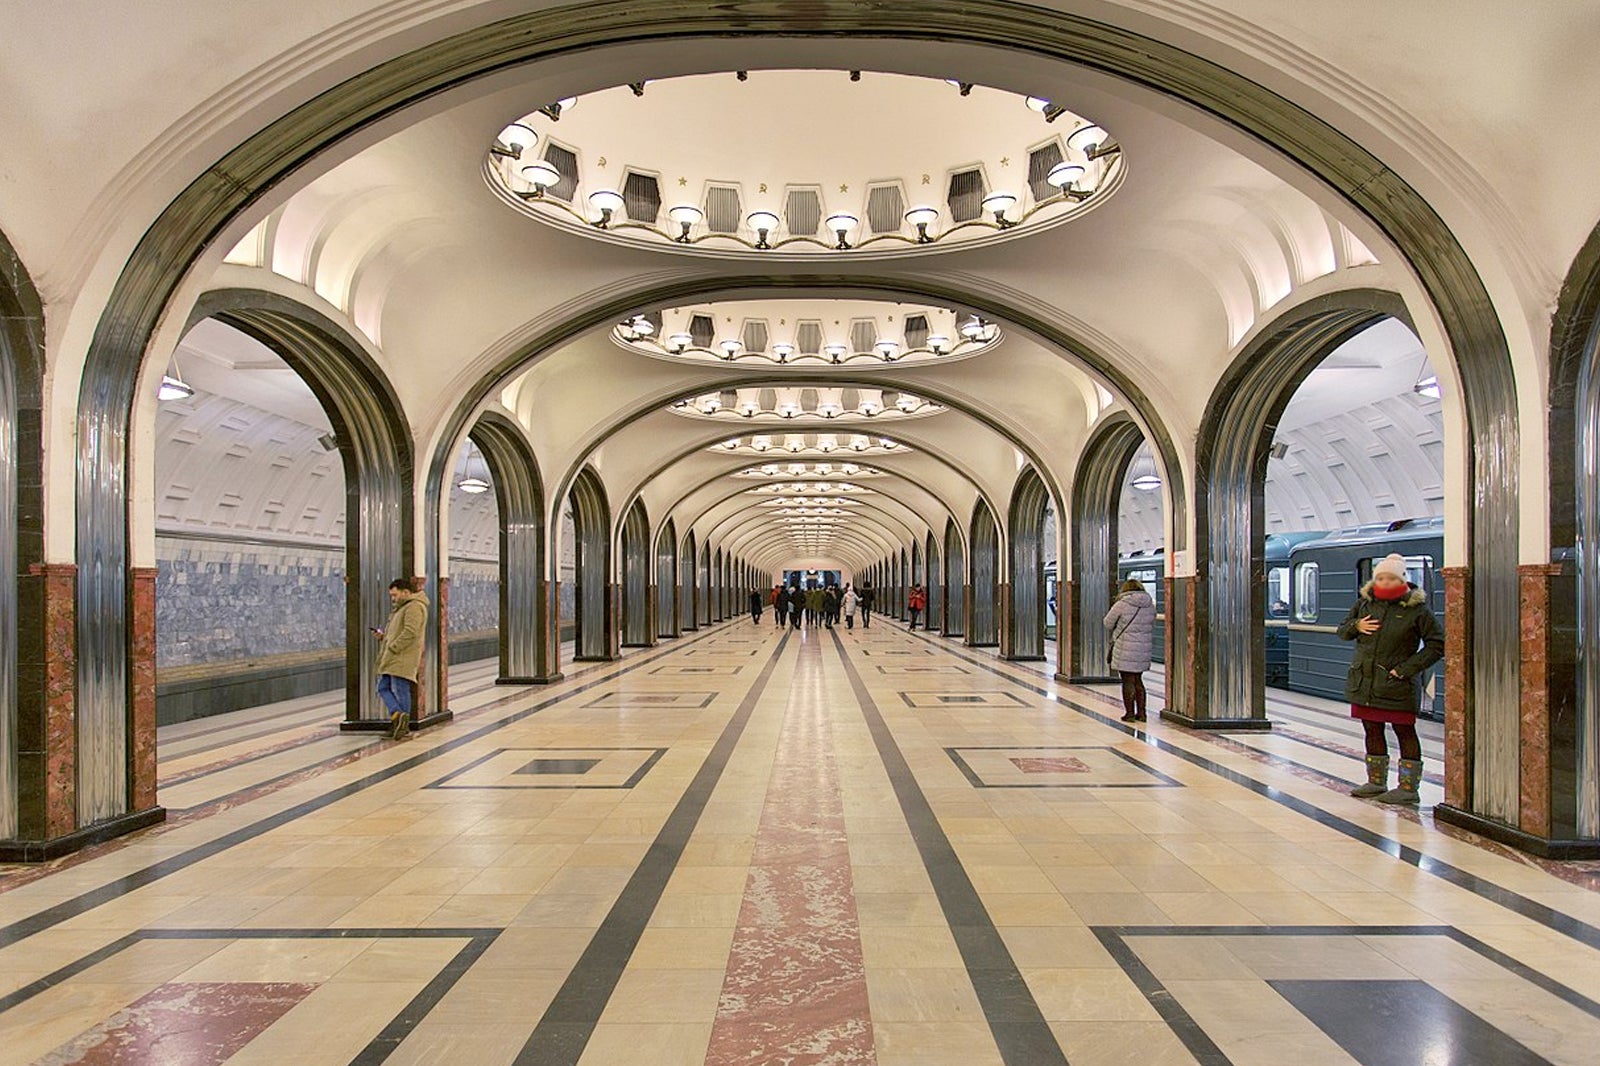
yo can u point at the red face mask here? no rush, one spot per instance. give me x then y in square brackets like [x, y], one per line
[1389, 592]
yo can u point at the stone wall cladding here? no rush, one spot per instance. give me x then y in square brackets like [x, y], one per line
[474, 596]
[223, 603]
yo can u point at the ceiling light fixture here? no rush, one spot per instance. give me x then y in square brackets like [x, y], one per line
[783, 352]
[514, 140]
[997, 204]
[763, 222]
[542, 176]
[1091, 140]
[922, 218]
[835, 351]
[688, 216]
[938, 344]
[1065, 177]
[472, 484]
[173, 388]
[888, 350]
[730, 348]
[608, 202]
[1146, 482]
[840, 226]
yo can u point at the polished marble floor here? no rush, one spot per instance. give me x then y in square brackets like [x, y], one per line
[749, 846]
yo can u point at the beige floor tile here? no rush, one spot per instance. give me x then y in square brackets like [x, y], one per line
[668, 1044]
[1121, 1043]
[664, 997]
[926, 995]
[1056, 947]
[686, 948]
[934, 1043]
[450, 1045]
[909, 947]
[1087, 995]
[1031, 909]
[898, 908]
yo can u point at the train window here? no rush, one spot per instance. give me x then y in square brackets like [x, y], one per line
[1417, 567]
[1147, 578]
[1307, 585]
[1278, 592]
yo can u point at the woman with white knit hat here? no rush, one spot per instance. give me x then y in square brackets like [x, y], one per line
[1397, 638]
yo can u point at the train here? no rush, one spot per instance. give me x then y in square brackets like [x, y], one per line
[1312, 579]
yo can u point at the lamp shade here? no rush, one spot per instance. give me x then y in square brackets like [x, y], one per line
[1064, 174]
[685, 214]
[762, 220]
[888, 349]
[939, 343]
[1146, 482]
[1038, 103]
[606, 200]
[518, 137]
[783, 351]
[473, 485]
[680, 340]
[1086, 139]
[922, 216]
[541, 174]
[999, 201]
[841, 223]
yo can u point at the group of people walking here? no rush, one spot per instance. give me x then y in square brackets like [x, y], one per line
[825, 605]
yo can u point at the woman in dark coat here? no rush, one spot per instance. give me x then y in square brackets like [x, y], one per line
[1397, 638]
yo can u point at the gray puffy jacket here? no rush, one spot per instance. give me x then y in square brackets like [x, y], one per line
[1132, 625]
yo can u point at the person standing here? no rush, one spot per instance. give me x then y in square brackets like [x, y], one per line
[755, 606]
[830, 605]
[813, 606]
[797, 605]
[400, 654]
[1131, 623]
[916, 602]
[780, 604]
[1397, 639]
[847, 604]
[864, 598]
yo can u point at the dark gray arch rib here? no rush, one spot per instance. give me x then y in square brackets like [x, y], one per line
[636, 569]
[688, 586]
[933, 565]
[527, 652]
[22, 622]
[1096, 495]
[984, 565]
[1025, 538]
[667, 580]
[955, 582]
[1573, 667]
[591, 524]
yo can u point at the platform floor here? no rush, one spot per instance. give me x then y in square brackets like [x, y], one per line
[747, 846]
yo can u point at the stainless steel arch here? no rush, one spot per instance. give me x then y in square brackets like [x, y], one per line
[1025, 536]
[591, 519]
[637, 631]
[1096, 495]
[527, 642]
[955, 581]
[667, 623]
[984, 632]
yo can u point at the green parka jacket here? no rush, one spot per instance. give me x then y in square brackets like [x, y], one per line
[400, 654]
[1408, 641]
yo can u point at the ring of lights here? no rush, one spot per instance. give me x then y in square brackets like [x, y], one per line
[809, 403]
[618, 169]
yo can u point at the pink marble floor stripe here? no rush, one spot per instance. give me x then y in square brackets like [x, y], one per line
[195, 1024]
[795, 991]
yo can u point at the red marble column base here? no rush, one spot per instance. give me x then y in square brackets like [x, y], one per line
[142, 671]
[1183, 646]
[1533, 815]
[1457, 672]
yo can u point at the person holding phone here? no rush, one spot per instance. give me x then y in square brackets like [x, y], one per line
[400, 654]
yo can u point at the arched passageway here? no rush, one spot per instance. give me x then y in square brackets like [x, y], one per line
[703, 594]
[1025, 591]
[1096, 492]
[983, 630]
[688, 586]
[29, 588]
[591, 520]
[955, 582]
[638, 630]
[666, 589]
[528, 618]
[934, 583]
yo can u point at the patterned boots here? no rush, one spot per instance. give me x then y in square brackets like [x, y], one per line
[1377, 777]
[1410, 779]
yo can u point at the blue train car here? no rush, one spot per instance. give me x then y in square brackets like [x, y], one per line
[1150, 570]
[1276, 641]
[1326, 575]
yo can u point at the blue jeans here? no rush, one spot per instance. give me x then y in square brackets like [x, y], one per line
[395, 692]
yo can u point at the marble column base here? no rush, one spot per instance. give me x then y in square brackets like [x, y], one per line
[99, 833]
[547, 679]
[381, 725]
[1457, 672]
[1510, 835]
[1218, 725]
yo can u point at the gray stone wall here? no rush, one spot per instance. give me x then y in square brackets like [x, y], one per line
[219, 602]
[474, 596]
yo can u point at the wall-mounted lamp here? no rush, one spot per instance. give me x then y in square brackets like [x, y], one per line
[542, 176]
[688, 216]
[608, 202]
[763, 222]
[514, 140]
[840, 226]
[922, 218]
[997, 204]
